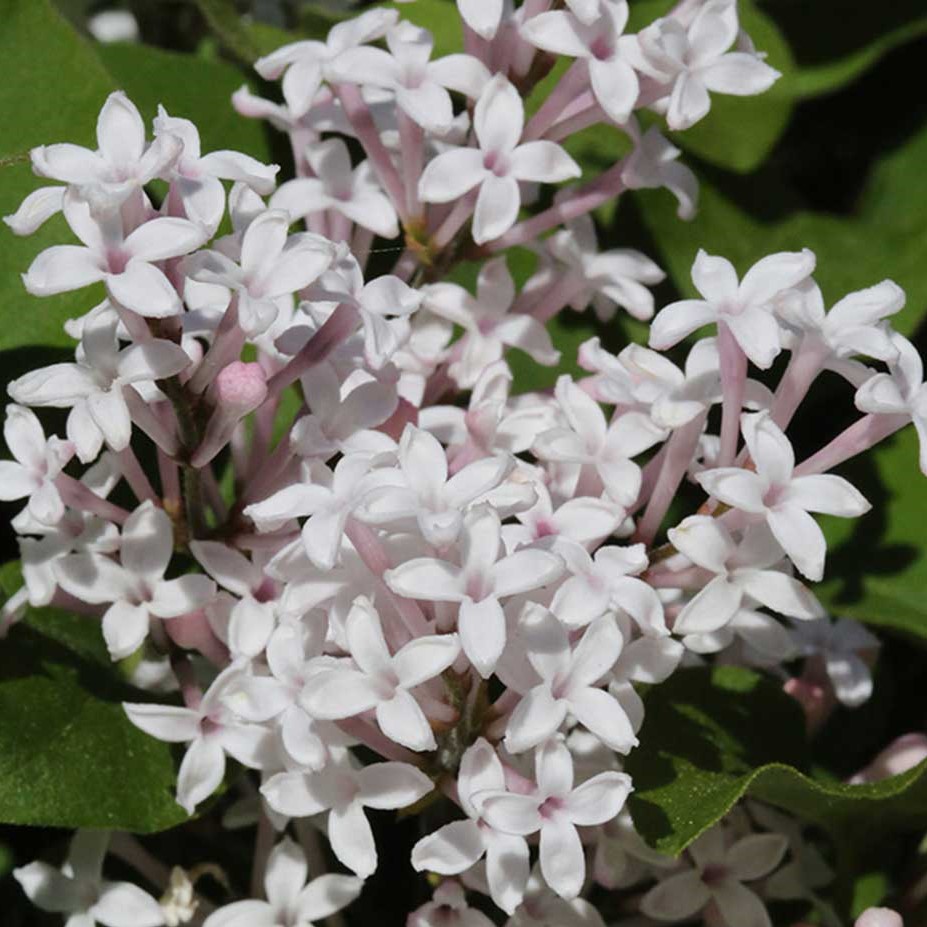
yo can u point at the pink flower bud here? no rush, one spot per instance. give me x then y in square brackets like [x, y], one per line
[879, 917]
[899, 756]
[237, 390]
[240, 387]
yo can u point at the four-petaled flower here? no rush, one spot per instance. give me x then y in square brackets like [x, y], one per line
[773, 493]
[497, 165]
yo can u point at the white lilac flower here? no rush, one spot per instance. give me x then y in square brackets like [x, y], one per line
[306, 64]
[212, 731]
[568, 682]
[342, 416]
[425, 496]
[489, 324]
[124, 262]
[79, 891]
[458, 846]
[901, 391]
[600, 452]
[384, 305]
[278, 698]
[608, 278]
[742, 571]
[253, 616]
[344, 792]
[654, 163]
[135, 588]
[745, 307]
[381, 681]
[597, 42]
[493, 421]
[497, 165]
[478, 583]
[93, 386]
[694, 59]
[584, 520]
[338, 187]
[327, 497]
[421, 86]
[38, 462]
[448, 908]
[718, 875]
[773, 493]
[273, 265]
[555, 811]
[605, 583]
[854, 325]
[198, 177]
[122, 163]
[544, 908]
[840, 645]
[291, 902]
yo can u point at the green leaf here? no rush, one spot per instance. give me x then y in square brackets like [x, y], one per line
[713, 735]
[826, 78]
[829, 58]
[69, 756]
[226, 23]
[62, 86]
[885, 237]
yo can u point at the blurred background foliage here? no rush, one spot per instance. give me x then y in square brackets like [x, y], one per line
[834, 158]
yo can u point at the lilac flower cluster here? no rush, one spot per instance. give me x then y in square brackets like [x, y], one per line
[358, 534]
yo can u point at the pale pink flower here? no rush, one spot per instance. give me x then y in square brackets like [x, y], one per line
[79, 891]
[478, 583]
[718, 877]
[381, 681]
[555, 811]
[783, 500]
[497, 165]
[458, 846]
[38, 462]
[212, 730]
[291, 902]
[344, 792]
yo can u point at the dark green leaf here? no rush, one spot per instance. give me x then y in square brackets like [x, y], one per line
[69, 756]
[835, 41]
[226, 23]
[713, 735]
[832, 75]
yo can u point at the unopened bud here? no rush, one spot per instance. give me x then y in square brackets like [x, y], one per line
[238, 389]
[241, 387]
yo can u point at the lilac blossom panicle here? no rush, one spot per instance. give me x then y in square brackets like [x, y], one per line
[425, 588]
